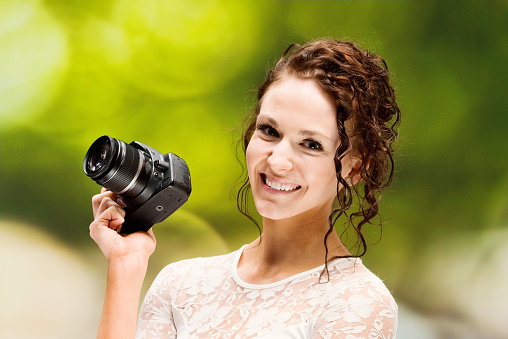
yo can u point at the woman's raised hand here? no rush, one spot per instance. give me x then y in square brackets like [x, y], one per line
[127, 264]
[108, 219]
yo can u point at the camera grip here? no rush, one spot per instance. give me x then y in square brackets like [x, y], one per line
[157, 209]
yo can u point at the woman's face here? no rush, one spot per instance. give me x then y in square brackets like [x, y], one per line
[290, 155]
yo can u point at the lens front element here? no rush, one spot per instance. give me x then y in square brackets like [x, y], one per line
[99, 157]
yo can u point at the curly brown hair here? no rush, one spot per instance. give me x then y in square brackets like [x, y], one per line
[358, 81]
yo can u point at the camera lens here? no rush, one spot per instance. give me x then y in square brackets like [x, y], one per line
[99, 157]
[119, 167]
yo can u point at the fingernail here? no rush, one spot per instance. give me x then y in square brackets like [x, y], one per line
[120, 202]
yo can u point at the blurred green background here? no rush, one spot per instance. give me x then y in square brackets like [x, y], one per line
[179, 76]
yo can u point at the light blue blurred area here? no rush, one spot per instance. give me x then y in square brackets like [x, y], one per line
[179, 76]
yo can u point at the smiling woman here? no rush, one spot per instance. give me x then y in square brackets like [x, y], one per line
[354, 85]
[323, 126]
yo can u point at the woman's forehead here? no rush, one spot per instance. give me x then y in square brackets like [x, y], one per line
[299, 95]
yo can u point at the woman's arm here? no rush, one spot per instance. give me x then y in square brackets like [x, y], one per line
[127, 263]
[123, 289]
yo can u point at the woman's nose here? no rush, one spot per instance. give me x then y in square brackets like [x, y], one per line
[280, 159]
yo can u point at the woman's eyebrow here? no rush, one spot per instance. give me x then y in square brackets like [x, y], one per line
[308, 133]
[311, 133]
[269, 119]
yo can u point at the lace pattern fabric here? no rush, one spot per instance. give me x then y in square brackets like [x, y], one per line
[205, 298]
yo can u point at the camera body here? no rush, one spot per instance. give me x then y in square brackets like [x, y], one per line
[151, 184]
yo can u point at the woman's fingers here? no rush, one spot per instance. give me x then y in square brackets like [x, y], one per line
[109, 217]
[103, 230]
[103, 201]
[105, 204]
[108, 212]
[112, 217]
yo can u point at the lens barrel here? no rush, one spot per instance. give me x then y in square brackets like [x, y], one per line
[117, 166]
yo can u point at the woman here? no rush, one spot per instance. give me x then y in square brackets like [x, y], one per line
[322, 129]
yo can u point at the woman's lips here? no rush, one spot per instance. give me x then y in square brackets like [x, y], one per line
[279, 185]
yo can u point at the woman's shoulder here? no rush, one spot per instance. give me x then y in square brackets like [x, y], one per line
[355, 295]
[350, 277]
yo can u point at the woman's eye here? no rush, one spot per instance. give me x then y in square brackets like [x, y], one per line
[313, 144]
[268, 130]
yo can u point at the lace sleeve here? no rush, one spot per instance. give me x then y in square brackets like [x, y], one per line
[155, 317]
[364, 310]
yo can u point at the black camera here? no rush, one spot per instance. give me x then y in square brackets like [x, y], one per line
[152, 185]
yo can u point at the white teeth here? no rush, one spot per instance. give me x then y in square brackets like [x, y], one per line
[279, 186]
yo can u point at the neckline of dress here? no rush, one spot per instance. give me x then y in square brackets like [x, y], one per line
[242, 283]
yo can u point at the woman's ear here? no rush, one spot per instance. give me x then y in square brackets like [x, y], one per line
[355, 171]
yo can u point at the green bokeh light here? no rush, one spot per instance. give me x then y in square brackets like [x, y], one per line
[33, 59]
[180, 48]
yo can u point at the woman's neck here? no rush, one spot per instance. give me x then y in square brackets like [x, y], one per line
[288, 247]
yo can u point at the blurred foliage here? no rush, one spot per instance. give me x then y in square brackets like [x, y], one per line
[179, 75]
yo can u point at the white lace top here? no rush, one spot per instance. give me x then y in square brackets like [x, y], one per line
[205, 298]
